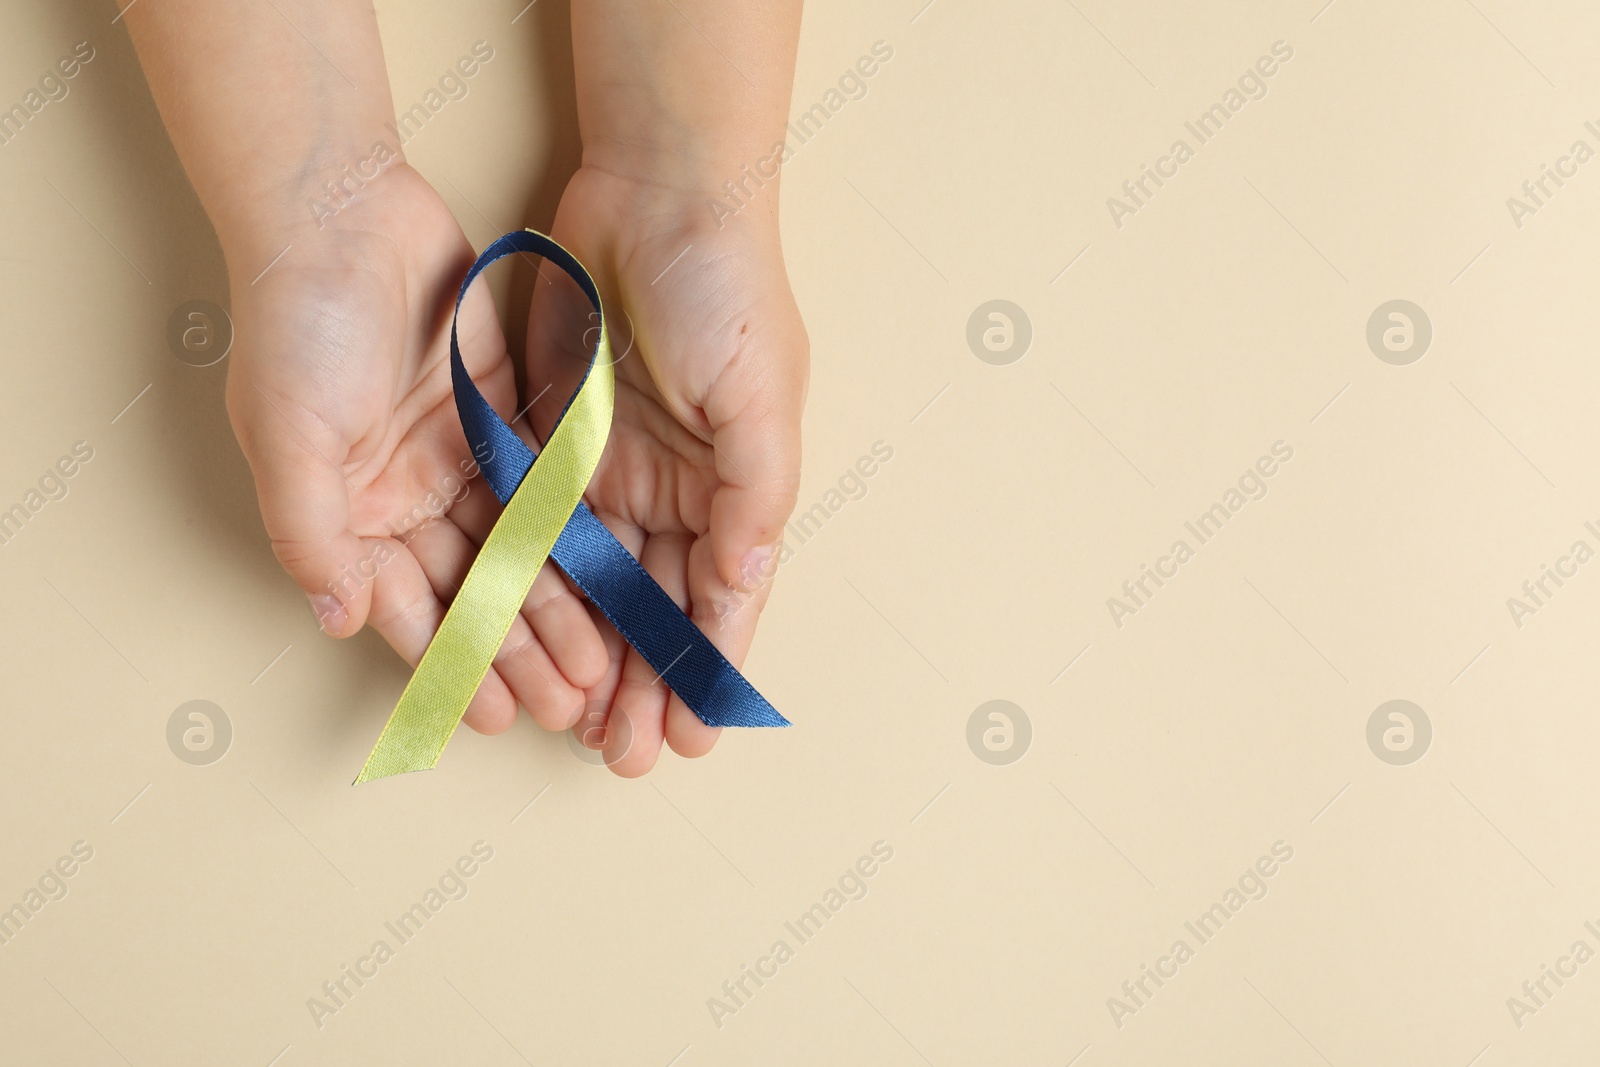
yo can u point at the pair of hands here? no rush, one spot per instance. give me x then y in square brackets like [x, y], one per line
[339, 391]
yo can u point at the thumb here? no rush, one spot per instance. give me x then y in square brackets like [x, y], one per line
[754, 412]
[305, 504]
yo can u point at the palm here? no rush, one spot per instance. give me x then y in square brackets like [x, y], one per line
[343, 344]
[684, 305]
[340, 392]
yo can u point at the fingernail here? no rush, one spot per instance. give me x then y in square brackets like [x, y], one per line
[330, 613]
[754, 570]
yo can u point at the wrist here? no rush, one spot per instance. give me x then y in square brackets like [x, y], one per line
[300, 192]
[309, 208]
[689, 183]
[678, 151]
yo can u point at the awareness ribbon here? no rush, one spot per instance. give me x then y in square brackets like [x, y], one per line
[544, 517]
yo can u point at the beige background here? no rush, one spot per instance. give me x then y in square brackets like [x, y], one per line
[1228, 714]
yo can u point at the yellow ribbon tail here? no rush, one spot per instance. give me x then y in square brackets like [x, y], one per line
[459, 656]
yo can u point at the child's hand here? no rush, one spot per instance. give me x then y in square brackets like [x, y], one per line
[339, 387]
[339, 391]
[703, 464]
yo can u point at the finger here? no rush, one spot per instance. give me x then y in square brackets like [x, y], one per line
[565, 628]
[305, 502]
[634, 743]
[754, 410]
[728, 618]
[445, 554]
[406, 611]
[590, 729]
[553, 608]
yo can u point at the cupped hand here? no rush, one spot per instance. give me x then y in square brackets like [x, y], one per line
[339, 391]
[702, 467]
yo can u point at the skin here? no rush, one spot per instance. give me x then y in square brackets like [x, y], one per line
[339, 387]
